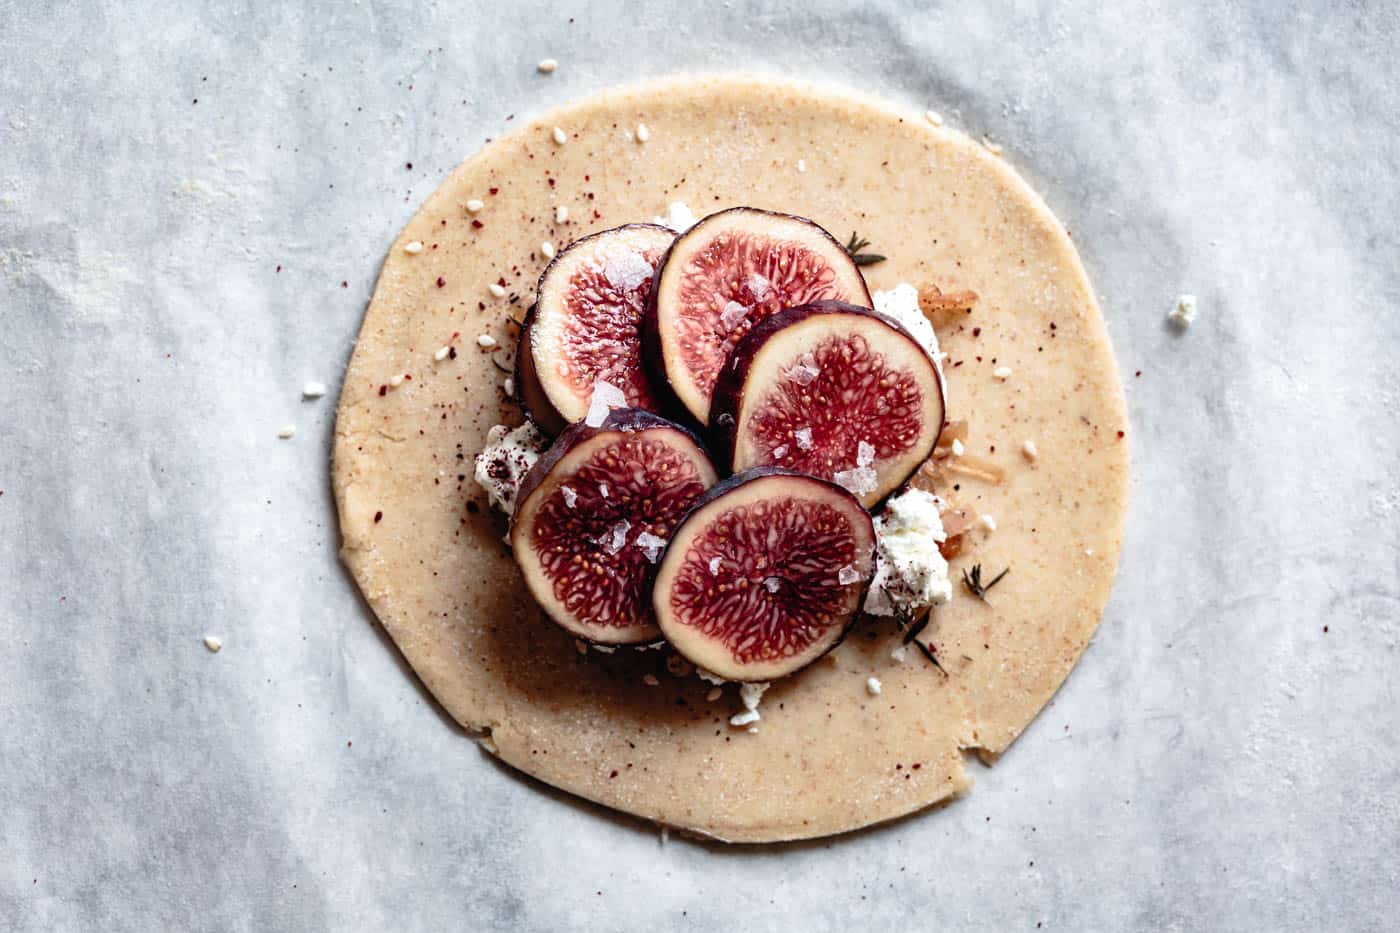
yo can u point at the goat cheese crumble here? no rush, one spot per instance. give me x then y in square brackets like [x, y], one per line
[679, 217]
[507, 457]
[910, 573]
[1184, 312]
[902, 304]
[750, 694]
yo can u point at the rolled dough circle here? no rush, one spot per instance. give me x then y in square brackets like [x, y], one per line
[828, 755]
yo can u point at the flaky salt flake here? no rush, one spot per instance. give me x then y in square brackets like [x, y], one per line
[847, 575]
[486, 341]
[1002, 372]
[627, 269]
[1029, 451]
[475, 206]
[561, 214]
[745, 718]
[287, 431]
[772, 584]
[865, 454]
[651, 545]
[441, 353]
[714, 566]
[780, 452]
[643, 134]
[560, 137]
[872, 686]
[803, 436]
[617, 536]
[606, 397]
[900, 653]
[804, 373]
[603, 490]
[313, 390]
[214, 643]
[413, 248]
[547, 249]
[732, 315]
[858, 481]
[570, 496]
[497, 289]
[547, 66]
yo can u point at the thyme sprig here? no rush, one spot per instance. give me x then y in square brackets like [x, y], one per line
[974, 584]
[854, 246]
[912, 624]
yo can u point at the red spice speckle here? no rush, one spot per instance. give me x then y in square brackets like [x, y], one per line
[441, 282]
[378, 517]
[383, 390]
[1138, 374]
[977, 332]
[494, 190]
[408, 165]
[1120, 435]
[477, 225]
[344, 284]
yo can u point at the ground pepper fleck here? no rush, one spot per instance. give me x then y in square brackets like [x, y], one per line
[441, 282]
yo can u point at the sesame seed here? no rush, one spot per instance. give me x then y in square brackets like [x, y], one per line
[508, 385]
[486, 340]
[802, 165]
[441, 353]
[547, 66]
[872, 686]
[1002, 372]
[933, 117]
[497, 289]
[643, 134]
[213, 642]
[313, 390]
[547, 248]
[650, 680]
[414, 248]
[958, 448]
[560, 138]
[475, 205]
[1029, 451]
[561, 214]
[987, 522]
[397, 380]
[287, 431]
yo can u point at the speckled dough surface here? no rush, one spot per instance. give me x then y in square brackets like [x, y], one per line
[828, 757]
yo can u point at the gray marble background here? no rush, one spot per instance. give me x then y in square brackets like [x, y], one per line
[1224, 756]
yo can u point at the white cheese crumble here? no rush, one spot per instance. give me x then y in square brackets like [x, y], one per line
[313, 390]
[560, 137]
[1185, 311]
[1029, 450]
[547, 66]
[900, 653]
[605, 398]
[475, 205]
[643, 134]
[413, 248]
[910, 573]
[547, 248]
[709, 678]
[508, 456]
[497, 289]
[857, 481]
[678, 217]
[749, 695]
[902, 304]
[604, 649]
[1002, 372]
[872, 686]
[287, 431]
[213, 642]
[561, 214]
[486, 341]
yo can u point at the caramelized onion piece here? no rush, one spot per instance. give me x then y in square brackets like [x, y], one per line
[943, 309]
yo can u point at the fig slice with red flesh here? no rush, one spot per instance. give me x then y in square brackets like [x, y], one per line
[592, 518]
[765, 574]
[585, 325]
[832, 390]
[721, 277]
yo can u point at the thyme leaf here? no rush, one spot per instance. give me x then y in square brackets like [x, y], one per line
[854, 246]
[974, 584]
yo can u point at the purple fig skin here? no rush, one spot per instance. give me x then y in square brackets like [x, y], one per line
[729, 387]
[739, 479]
[529, 393]
[529, 390]
[624, 420]
[653, 359]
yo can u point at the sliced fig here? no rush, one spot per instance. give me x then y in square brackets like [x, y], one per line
[585, 325]
[765, 574]
[832, 390]
[720, 278]
[592, 518]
